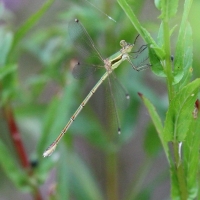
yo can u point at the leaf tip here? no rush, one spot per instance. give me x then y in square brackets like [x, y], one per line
[140, 94]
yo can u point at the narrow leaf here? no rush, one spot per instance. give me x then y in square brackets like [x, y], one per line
[191, 157]
[6, 70]
[179, 114]
[152, 144]
[168, 8]
[156, 65]
[156, 121]
[6, 39]
[158, 4]
[153, 113]
[183, 53]
[183, 58]
[30, 22]
[9, 166]
[160, 37]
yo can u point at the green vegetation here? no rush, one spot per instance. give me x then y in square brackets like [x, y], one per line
[37, 98]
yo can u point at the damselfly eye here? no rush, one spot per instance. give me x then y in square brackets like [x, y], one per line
[123, 43]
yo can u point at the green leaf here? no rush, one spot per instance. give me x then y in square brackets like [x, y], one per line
[6, 39]
[149, 40]
[11, 169]
[6, 70]
[158, 4]
[151, 141]
[156, 66]
[29, 23]
[168, 8]
[156, 54]
[191, 157]
[160, 37]
[153, 113]
[8, 83]
[183, 58]
[156, 121]
[179, 114]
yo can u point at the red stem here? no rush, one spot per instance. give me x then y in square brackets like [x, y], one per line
[38, 195]
[16, 138]
[18, 145]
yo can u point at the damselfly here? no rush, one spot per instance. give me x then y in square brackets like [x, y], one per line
[82, 40]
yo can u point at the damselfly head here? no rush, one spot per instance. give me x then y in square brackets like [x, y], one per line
[123, 43]
[126, 47]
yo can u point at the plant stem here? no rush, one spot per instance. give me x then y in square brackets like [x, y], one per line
[180, 172]
[16, 138]
[112, 176]
[19, 147]
[168, 70]
[37, 195]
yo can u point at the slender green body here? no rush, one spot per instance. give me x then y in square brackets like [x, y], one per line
[110, 64]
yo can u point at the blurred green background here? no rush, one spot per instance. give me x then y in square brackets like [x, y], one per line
[91, 162]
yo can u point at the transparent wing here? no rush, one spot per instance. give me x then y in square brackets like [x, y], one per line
[83, 70]
[88, 56]
[139, 58]
[117, 100]
[121, 95]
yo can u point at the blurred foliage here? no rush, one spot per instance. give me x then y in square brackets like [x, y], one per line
[37, 85]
